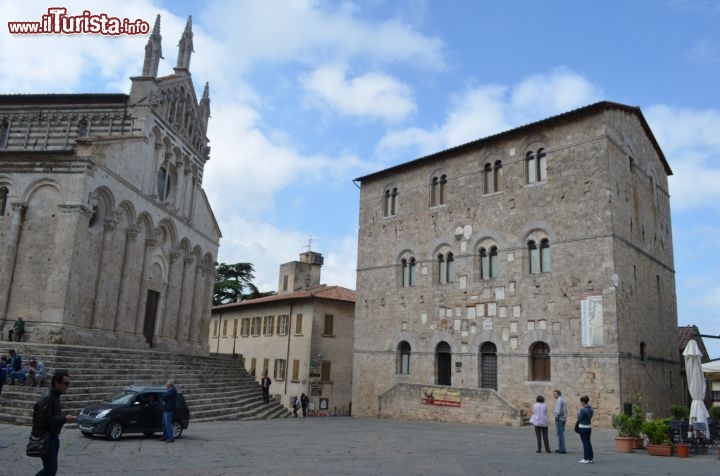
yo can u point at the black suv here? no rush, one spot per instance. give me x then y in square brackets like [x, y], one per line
[136, 409]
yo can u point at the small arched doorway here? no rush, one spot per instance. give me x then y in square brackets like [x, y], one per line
[443, 363]
[488, 365]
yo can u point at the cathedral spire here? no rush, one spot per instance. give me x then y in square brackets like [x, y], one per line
[205, 104]
[185, 48]
[153, 52]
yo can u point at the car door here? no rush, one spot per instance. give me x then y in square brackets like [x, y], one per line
[146, 410]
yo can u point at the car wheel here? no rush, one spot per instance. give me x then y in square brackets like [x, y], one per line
[177, 429]
[114, 430]
[149, 434]
[87, 433]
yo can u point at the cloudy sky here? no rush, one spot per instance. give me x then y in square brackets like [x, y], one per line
[307, 95]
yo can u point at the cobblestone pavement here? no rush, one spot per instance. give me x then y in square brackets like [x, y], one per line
[339, 447]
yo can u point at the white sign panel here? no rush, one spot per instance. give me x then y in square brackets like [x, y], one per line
[591, 319]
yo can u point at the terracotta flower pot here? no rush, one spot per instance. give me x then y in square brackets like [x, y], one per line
[624, 444]
[659, 450]
[639, 443]
[682, 451]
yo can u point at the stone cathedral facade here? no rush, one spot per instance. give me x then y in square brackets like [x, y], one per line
[106, 235]
[536, 259]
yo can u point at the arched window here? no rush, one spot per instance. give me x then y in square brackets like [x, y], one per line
[488, 181]
[446, 268]
[3, 199]
[438, 186]
[409, 271]
[4, 133]
[488, 263]
[536, 166]
[403, 358]
[163, 184]
[494, 262]
[534, 257]
[83, 128]
[390, 202]
[530, 167]
[539, 257]
[544, 256]
[496, 175]
[540, 362]
[542, 165]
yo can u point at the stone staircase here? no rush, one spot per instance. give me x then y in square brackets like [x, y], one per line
[215, 387]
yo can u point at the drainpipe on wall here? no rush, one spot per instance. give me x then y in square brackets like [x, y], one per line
[217, 350]
[287, 355]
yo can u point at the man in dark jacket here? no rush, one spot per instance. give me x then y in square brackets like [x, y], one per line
[169, 400]
[48, 419]
[14, 364]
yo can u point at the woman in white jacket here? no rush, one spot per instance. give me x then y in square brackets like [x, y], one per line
[539, 418]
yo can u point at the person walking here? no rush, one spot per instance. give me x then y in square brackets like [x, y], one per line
[265, 384]
[48, 419]
[169, 400]
[584, 418]
[560, 412]
[539, 418]
[304, 402]
[295, 406]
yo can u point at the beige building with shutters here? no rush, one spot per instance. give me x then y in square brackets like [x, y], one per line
[302, 336]
[499, 270]
[106, 234]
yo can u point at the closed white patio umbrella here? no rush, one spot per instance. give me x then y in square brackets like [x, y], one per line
[696, 383]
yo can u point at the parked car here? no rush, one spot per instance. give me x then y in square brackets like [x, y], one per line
[135, 409]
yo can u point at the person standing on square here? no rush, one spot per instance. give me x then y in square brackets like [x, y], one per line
[560, 413]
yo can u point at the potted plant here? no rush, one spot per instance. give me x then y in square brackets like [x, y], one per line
[658, 433]
[628, 429]
[639, 415]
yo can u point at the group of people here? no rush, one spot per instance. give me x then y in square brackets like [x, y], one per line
[297, 403]
[301, 402]
[11, 368]
[583, 427]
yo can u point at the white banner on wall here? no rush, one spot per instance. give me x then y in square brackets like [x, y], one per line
[591, 319]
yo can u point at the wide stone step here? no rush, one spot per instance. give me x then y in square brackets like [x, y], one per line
[215, 387]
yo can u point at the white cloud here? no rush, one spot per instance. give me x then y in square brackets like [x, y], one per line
[57, 63]
[543, 95]
[373, 95]
[247, 168]
[690, 140]
[312, 31]
[267, 247]
[488, 109]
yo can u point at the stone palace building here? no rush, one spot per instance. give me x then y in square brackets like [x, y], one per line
[106, 235]
[536, 259]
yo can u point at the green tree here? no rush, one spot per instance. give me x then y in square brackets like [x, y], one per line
[233, 282]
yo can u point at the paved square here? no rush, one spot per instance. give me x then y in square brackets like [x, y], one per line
[339, 447]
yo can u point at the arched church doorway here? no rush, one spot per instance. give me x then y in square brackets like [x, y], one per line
[443, 363]
[488, 365]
